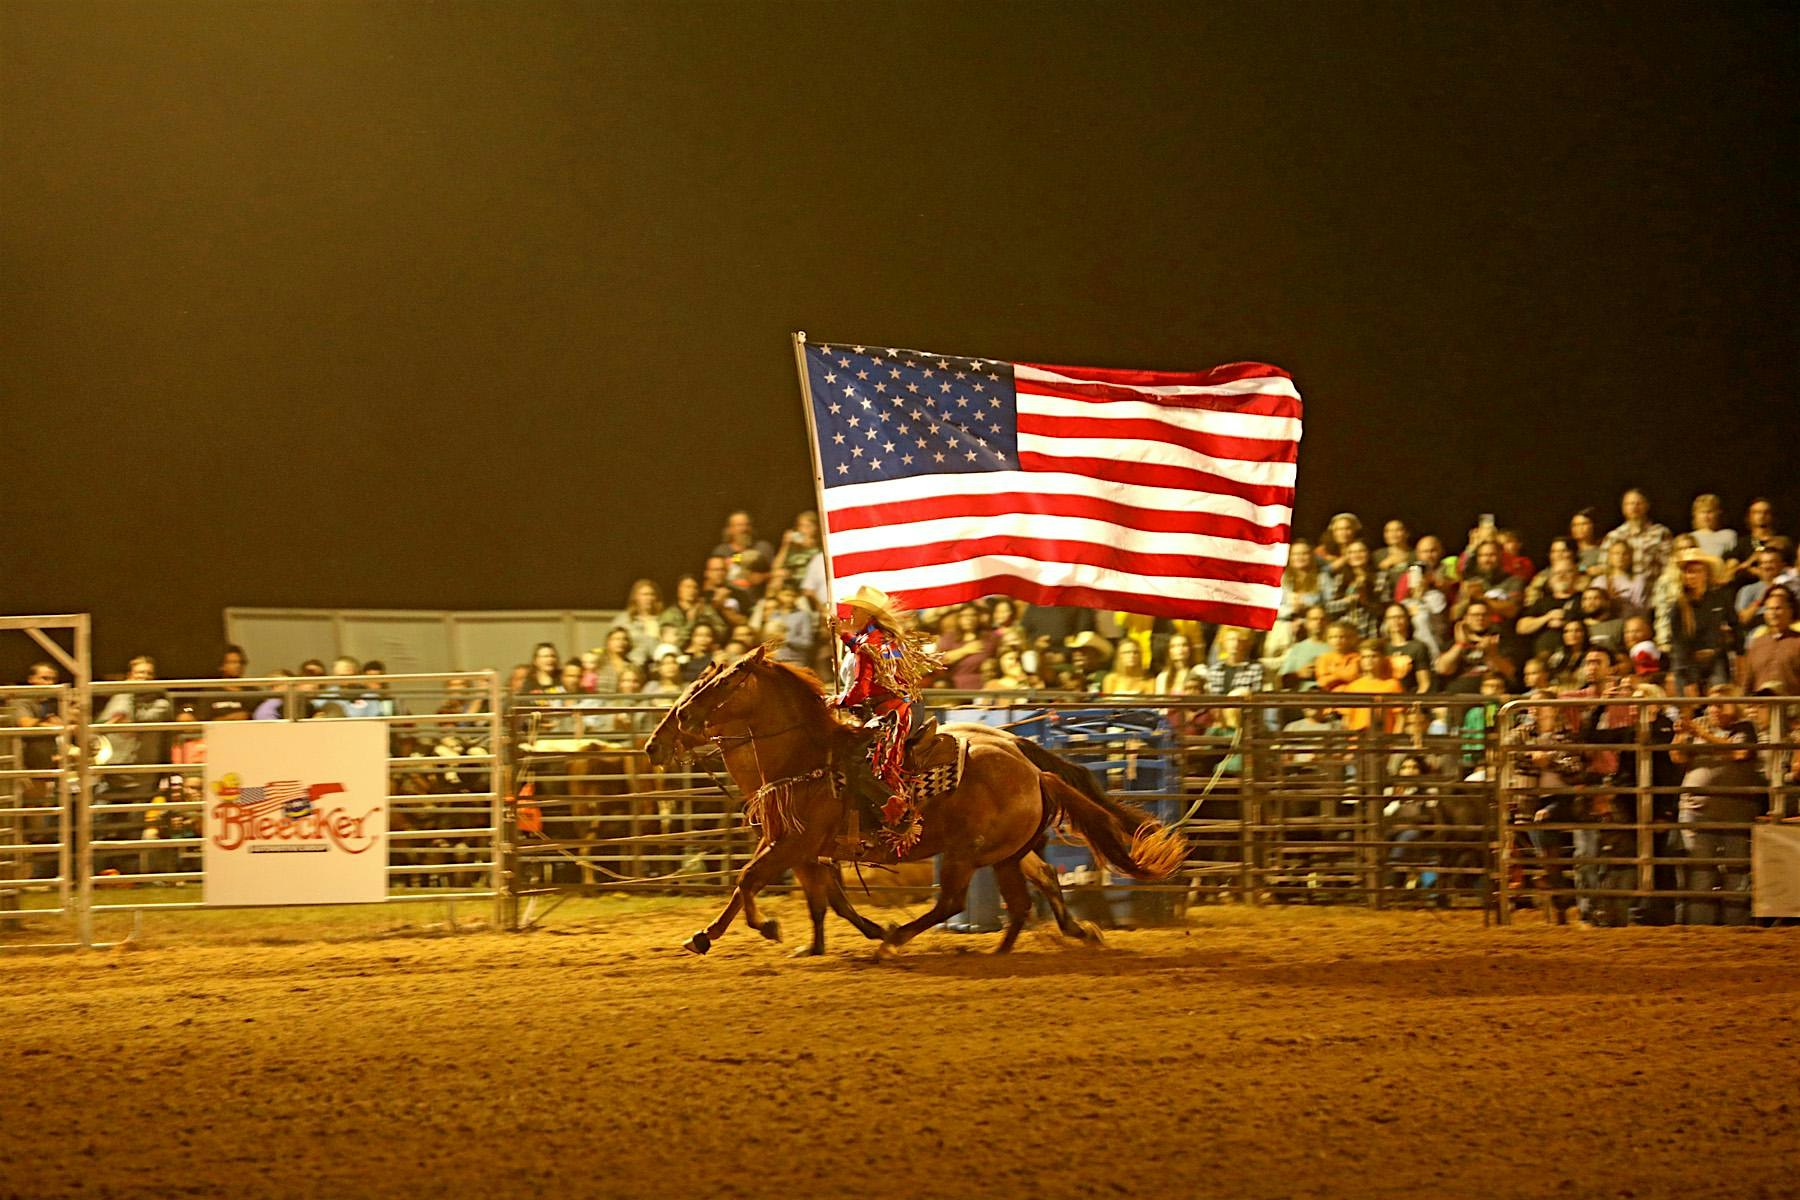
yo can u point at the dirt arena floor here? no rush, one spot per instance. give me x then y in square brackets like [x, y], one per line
[1290, 1052]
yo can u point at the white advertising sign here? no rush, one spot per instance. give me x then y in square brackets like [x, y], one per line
[1775, 870]
[296, 813]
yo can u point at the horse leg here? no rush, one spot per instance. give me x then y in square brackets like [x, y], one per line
[840, 904]
[1043, 875]
[1018, 900]
[953, 893]
[813, 881]
[771, 928]
[770, 861]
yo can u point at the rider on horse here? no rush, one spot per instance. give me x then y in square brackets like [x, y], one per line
[880, 679]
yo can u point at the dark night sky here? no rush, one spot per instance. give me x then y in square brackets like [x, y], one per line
[486, 305]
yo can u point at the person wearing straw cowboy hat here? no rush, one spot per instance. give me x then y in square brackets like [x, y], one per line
[880, 678]
[1699, 625]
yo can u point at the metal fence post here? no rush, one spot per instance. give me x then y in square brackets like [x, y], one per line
[1500, 781]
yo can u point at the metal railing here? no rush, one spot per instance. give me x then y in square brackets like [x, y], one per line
[1611, 806]
[1307, 797]
[447, 838]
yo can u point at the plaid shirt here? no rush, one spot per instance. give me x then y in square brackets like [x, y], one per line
[1649, 547]
[1223, 678]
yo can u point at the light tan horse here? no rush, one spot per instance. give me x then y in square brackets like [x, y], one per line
[779, 742]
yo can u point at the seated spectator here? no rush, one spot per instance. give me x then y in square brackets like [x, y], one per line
[1699, 627]
[1513, 559]
[1128, 676]
[1299, 667]
[1339, 533]
[669, 642]
[1178, 676]
[963, 651]
[1005, 619]
[1589, 553]
[1396, 552]
[232, 703]
[1302, 586]
[374, 699]
[1534, 676]
[1089, 655]
[275, 707]
[629, 684]
[668, 680]
[1563, 557]
[1009, 673]
[1373, 678]
[571, 679]
[1351, 593]
[1409, 661]
[747, 558]
[1340, 666]
[1605, 627]
[1474, 652]
[1503, 592]
[1236, 673]
[799, 546]
[1665, 586]
[1566, 661]
[700, 653]
[642, 618]
[1649, 541]
[730, 601]
[615, 656]
[1771, 660]
[691, 607]
[1637, 631]
[1428, 589]
[786, 623]
[135, 749]
[1708, 515]
[1759, 528]
[1621, 580]
[544, 677]
[1542, 620]
[1768, 566]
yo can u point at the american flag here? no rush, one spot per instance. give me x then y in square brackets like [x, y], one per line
[949, 478]
[279, 796]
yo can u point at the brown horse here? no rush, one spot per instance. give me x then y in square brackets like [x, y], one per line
[780, 740]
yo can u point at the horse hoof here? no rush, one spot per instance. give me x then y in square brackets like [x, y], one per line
[808, 952]
[770, 929]
[1090, 933]
[700, 943]
[886, 952]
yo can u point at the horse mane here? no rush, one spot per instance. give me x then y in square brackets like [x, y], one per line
[800, 675]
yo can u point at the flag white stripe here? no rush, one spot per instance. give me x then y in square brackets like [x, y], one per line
[1063, 483]
[1269, 385]
[1200, 420]
[1137, 450]
[1066, 529]
[1061, 574]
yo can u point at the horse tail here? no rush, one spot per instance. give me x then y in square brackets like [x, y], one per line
[1127, 837]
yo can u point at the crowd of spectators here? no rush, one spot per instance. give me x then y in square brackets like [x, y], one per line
[1638, 609]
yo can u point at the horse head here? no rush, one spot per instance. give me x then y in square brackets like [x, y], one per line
[683, 728]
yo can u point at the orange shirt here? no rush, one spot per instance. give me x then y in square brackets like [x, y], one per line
[1334, 671]
[1358, 718]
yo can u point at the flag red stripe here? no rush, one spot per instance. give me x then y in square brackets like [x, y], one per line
[1260, 404]
[1157, 475]
[1054, 504]
[1057, 550]
[1211, 377]
[1213, 445]
[1249, 616]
